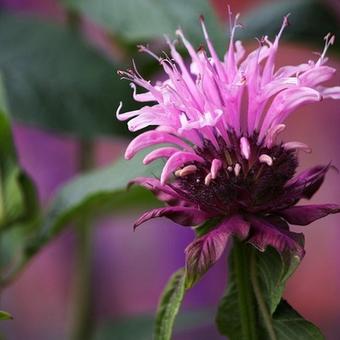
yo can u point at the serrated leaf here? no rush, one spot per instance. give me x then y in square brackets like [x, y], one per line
[56, 81]
[267, 19]
[5, 315]
[136, 20]
[169, 305]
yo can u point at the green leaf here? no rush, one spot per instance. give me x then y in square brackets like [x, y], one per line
[136, 20]
[289, 325]
[273, 273]
[267, 19]
[5, 315]
[57, 81]
[169, 305]
[99, 191]
[18, 201]
[252, 307]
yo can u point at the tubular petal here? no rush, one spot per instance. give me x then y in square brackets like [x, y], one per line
[150, 138]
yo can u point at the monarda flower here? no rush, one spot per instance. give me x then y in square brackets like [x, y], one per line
[224, 165]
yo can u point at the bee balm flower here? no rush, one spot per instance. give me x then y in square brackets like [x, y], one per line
[225, 163]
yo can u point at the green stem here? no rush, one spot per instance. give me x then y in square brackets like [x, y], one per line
[82, 285]
[266, 317]
[240, 260]
[83, 324]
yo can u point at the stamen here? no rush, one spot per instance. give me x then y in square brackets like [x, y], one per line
[264, 158]
[215, 167]
[187, 170]
[230, 168]
[297, 146]
[208, 179]
[245, 147]
[237, 169]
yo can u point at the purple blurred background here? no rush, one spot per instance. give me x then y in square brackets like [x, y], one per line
[130, 269]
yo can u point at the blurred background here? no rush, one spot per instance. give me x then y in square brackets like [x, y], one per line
[59, 61]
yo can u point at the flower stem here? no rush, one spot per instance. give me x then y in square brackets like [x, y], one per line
[240, 260]
[82, 327]
[82, 284]
[263, 309]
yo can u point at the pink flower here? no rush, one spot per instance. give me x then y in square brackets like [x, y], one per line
[225, 163]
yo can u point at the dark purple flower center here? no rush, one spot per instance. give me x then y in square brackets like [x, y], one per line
[241, 185]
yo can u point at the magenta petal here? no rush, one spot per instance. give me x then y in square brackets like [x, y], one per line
[203, 252]
[237, 226]
[185, 216]
[162, 192]
[306, 214]
[308, 182]
[267, 233]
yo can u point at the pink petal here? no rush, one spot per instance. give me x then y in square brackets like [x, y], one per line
[159, 153]
[329, 92]
[316, 75]
[150, 138]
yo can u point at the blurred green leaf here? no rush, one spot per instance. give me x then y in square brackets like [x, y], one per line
[18, 201]
[57, 81]
[240, 315]
[141, 326]
[136, 20]
[96, 192]
[310, 21]
[5, 315]
[169, 305]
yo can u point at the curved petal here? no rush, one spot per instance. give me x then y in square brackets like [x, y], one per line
[308, 182]
[150, 138]
[306, 214]
[185, 216]
[268, 233]
[159, 153]
[177, 160]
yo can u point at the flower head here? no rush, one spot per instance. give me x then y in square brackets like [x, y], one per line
[224, 163]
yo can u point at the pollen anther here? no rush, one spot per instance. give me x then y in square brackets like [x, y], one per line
[264, 158]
